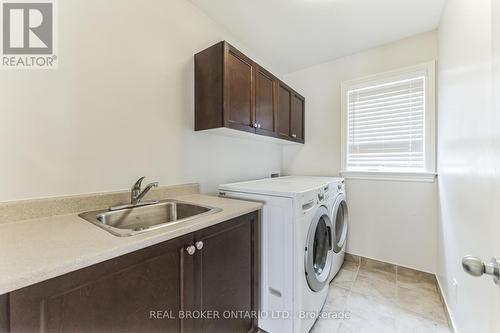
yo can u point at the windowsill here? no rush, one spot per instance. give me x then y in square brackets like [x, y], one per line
[424, 177]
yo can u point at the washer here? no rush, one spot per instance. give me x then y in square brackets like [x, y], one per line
[296, 250]
[335, 195]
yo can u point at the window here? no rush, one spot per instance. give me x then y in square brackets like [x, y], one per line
[388, 125]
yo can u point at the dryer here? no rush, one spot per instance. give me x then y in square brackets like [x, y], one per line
[335, 197]
[339, 215]
[296, 250]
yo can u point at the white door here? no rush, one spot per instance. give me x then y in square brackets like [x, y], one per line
[496, 111]
[469, 159]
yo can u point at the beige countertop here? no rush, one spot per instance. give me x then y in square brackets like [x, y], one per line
[39, 249]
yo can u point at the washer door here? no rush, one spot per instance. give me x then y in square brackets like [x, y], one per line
[318, 254]
[340, 216]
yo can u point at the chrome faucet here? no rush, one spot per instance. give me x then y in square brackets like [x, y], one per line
[136, 195]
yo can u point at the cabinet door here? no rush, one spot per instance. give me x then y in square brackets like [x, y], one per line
[265, 102]
[284, 108]
[139, 292]
[226, 274]
[297, 118]
[238, 90]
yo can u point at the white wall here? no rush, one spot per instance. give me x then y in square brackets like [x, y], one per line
[390, 221]
[120, 106]
[468, 160]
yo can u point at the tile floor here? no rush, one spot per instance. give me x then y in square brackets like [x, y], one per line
[381, 297]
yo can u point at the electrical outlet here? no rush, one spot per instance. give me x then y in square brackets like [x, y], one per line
[454, 288]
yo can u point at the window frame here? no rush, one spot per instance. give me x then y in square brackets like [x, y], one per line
[427, 69]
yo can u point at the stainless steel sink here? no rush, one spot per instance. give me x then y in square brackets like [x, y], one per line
[131, 221]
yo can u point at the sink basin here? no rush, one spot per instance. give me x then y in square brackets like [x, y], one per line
[131, 221]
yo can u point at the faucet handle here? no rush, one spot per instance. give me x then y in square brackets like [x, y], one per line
[138, 184]
[136, 190]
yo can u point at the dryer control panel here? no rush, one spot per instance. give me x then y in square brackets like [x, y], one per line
[327, 191]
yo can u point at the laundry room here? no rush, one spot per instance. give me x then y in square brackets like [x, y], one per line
[279, 166]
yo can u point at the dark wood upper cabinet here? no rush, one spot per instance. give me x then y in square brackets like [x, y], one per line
[297, 118]
[232, 91]
[144, 291]
[290, 114]
[265, 102]
[284, 111]
[238, 90]
[209, 88]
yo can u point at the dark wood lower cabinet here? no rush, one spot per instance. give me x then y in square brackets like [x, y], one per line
[224, 279]
[150, 290]
[114, 296]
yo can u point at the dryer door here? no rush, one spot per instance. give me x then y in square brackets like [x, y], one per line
[340, 216]
[318, 250]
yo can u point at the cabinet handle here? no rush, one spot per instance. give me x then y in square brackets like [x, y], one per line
[190, 249]
[294, 135]
[199, 245]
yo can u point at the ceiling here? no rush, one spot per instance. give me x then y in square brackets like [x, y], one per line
[294, 34]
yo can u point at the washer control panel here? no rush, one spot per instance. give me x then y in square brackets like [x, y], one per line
[323, 194]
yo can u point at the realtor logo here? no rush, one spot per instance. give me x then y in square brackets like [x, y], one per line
[28, 34]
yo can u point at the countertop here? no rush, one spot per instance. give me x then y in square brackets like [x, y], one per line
[40, 249]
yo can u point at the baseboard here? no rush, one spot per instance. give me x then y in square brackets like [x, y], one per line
[357, 258]
[451, 323]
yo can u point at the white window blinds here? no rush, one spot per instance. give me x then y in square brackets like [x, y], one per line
[385, 126]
